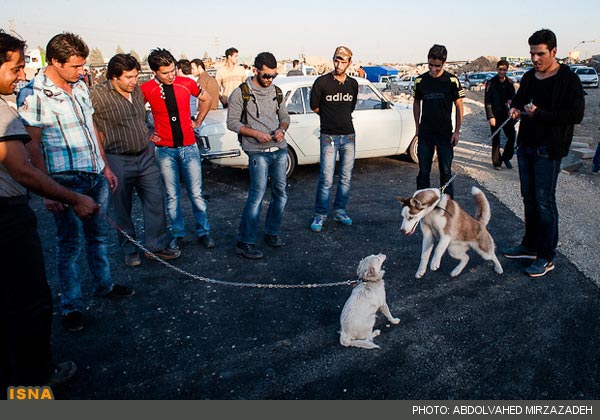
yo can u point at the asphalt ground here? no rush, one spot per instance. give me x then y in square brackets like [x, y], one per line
[478, 336]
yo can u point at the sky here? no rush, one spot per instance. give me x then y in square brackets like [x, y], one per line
[390, 31]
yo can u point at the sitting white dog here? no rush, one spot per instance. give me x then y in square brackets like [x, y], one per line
[358, 315]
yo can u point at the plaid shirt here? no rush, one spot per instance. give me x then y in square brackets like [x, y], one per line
[68, 138]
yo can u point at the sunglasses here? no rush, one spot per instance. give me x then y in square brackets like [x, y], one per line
[267, 76]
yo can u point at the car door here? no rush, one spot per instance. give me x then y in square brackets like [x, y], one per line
[303, 132]
[377, 129]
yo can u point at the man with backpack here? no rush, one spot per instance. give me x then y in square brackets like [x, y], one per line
[255, 111]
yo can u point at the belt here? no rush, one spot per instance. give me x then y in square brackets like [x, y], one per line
[268, 149]
[18, 200]
[131, 153]
[75, 173]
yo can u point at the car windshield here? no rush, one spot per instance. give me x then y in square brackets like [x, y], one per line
[586, 71]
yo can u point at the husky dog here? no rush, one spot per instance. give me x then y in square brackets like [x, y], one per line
[442, 219]
[358, 315]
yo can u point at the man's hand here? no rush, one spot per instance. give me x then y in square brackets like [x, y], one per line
[263, 137]
[492, 122]
[454, 139]
[53, 206]
[85, 207]
[514, 113]
[112, 180]
[278, 136]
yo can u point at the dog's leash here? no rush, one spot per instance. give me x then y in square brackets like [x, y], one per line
[221, 282]
[494, 134]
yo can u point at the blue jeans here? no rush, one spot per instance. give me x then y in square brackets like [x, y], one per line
[262, 166]
[185, 162]
[70, 232]
[538, 175]
[425, 150]
[330, 147]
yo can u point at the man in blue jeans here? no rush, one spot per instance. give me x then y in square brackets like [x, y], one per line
[177, 153]
[435, 93]
[333, 96]
[549, 101]
[57, 112]
[256, 113]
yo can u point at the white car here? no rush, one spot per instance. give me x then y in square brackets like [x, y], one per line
[588, 76]
[382, 128]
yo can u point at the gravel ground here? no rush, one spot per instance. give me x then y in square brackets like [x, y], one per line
[578, 193]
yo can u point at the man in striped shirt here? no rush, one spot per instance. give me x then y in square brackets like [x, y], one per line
[120, 116]
[57, 112]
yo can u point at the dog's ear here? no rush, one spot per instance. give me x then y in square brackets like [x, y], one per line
[416, 204]
[403, 200]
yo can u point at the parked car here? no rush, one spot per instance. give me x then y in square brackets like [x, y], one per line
[406, 82]
[476, 79]
[588, 76]
[383, 128]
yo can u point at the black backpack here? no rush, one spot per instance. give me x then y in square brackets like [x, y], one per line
[246, 95]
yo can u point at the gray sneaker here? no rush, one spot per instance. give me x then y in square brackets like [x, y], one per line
[519, 252]
[539, 267]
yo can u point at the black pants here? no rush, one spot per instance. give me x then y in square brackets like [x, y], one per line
[509, 147]
[428, 144]
[25, 301]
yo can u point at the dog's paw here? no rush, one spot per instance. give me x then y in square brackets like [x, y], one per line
[455, 272]
[376, 333]
[434, 266]
[395, 321]
[419, 274]
[499, 269]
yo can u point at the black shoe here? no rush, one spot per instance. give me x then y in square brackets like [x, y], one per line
[133, 259]
[165, 254]
[249, 251]
[73, 321]
[273, 241]
[175, 243]
[119, 291]
[61, 373]
[539, 267]
[206, 241]
[508, 164]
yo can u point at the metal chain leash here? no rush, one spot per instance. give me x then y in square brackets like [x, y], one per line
[221, 282]
[490, 138]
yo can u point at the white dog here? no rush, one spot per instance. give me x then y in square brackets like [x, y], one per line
[442, 218]
[358, 315]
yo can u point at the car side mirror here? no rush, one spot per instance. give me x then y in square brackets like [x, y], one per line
[386, 104]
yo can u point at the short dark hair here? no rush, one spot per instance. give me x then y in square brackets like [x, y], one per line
[265, 59]
[159, 57]
[9, 43]
[185, 66]
[198, 63]
[295, 63]
[438, 52]
[120, 63]
[543, 36]
[230, 51]
[502, 63]
[64, 46]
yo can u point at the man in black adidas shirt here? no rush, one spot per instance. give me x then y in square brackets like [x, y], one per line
[435, 93]
[333, 97]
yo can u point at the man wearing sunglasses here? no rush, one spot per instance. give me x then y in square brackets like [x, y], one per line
[435, 92]
[333, 97]
[261, 121]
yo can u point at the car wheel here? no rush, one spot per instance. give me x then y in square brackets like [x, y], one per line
[292, 162]
[412, 149]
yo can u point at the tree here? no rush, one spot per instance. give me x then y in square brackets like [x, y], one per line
[205, 56]
[135, 55]
[96, 56]
[120, 50]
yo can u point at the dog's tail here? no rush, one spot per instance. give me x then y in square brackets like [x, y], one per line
[483, 207]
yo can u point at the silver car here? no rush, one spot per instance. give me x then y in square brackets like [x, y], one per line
[588, 76]
[382, 128]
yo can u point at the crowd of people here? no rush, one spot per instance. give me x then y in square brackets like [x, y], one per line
[86, 151]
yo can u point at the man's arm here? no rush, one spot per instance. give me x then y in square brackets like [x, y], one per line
[458, 104]
[204, 103]
[111, 178]
[417, 114]
[14, 157]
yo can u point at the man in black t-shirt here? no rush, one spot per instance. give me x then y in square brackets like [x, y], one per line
[333, 97]
[435, 93]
